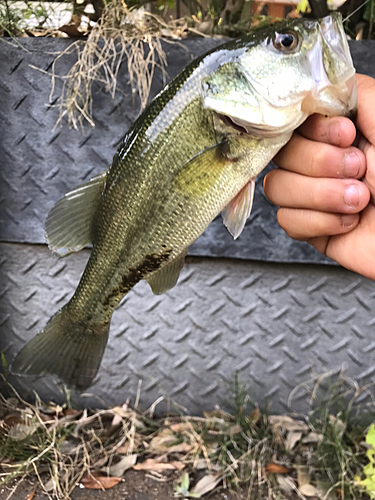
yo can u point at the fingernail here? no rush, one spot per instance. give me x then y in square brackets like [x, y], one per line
[334, 133]
[352, 164]
[348, 220]
[351, 197]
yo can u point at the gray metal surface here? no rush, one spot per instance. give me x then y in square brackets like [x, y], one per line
[39, 165]
[272, 324]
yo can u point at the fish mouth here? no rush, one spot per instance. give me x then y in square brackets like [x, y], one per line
[338, 99]
[255, 130]
[334, 36]
[333, 71]
[233, 123]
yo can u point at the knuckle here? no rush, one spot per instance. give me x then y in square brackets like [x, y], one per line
[317, 160]
[315, 197]
[320, 127]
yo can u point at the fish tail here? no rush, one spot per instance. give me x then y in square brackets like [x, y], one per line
[69, 349]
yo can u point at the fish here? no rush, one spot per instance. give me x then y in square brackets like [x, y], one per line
[193, 153]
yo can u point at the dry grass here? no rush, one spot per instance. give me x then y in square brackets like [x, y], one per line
[320, 454]
[121, 32]
[66, 444]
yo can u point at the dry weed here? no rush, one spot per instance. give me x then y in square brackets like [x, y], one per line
[320, 454]
[121, 32]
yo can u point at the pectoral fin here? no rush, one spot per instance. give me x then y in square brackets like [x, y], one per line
[238, 210]
[68, 225]
[166, 278]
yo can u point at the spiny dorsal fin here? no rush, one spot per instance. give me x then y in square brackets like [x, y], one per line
[165, 278]
[236, 213]
[68, 225]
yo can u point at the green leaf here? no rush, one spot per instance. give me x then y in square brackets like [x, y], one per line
[370, 437]
[4, 363]
[185, 482]
[369, 469]
[303, 6]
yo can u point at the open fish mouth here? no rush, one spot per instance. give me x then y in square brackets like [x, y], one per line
[333, 71]
[255, 130]
[234, 123]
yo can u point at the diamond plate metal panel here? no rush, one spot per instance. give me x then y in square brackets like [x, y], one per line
[39, 164]
[272, 324]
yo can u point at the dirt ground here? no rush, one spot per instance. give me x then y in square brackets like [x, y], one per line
[136, 485]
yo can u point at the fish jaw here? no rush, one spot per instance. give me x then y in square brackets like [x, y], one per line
[269, 93]
[331, 64]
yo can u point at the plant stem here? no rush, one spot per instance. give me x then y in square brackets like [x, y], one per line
[371, 22]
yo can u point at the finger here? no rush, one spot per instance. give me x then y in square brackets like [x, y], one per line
[335, 130]
[356, 250]
[365, 119]
[288, 189]
[321, 160]
[369, 152]
[303, 225]
[320, 243]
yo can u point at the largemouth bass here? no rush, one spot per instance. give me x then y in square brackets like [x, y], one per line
[194, 152]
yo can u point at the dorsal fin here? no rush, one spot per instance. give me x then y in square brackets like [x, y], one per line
[236, 213]
[68, 225]
[165, 278]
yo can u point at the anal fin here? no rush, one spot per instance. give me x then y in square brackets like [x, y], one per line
[166, 278]
[238, 210]
[68, 225]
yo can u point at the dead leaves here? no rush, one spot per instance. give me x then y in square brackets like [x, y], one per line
[20, 425]
[286, 484]
[292, 439]
[304, 483]
[276, 468]
[294, 429]
[298, 478]
[287, 423]
[163, 442]
[207, 484]
[100, 482]
[101, 446]
[123, 465]
[152, 464]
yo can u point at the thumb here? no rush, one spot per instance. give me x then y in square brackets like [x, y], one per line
[365, 122]
[365, 119]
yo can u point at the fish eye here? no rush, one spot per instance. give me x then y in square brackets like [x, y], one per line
[285, 42]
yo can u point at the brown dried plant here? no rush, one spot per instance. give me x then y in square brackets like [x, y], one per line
[121, 32]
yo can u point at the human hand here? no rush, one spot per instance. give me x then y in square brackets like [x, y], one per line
[325, 185]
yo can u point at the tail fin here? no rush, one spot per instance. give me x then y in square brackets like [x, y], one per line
[71, 350]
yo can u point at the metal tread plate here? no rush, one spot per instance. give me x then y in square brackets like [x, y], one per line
[272, 324]
[39, 164]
